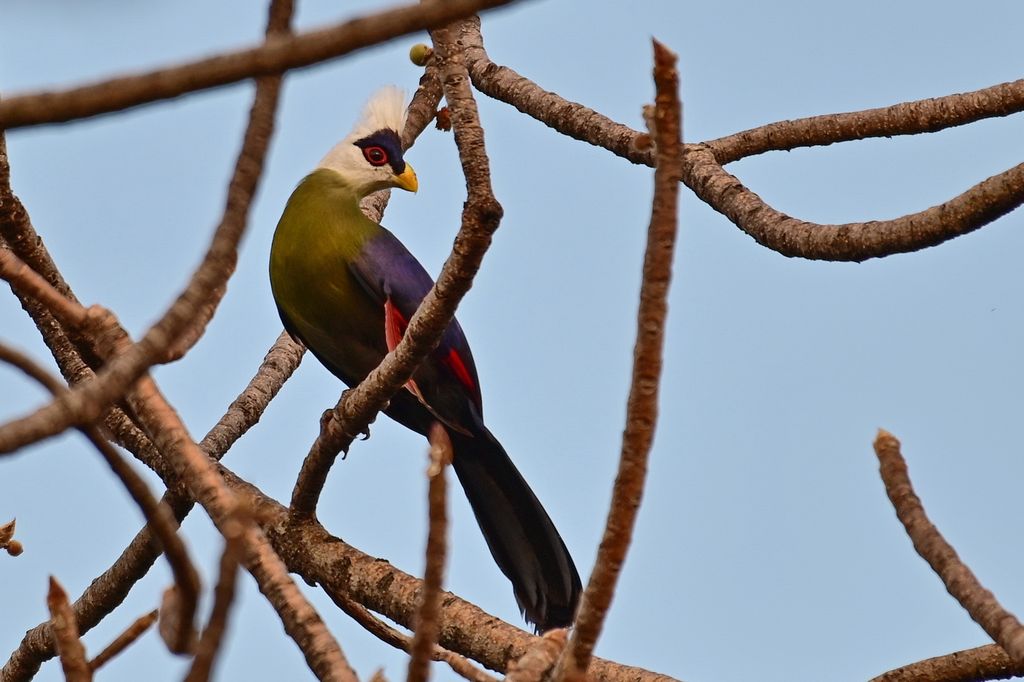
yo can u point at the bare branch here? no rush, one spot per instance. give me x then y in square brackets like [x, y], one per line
[539, 658]
[190, 312]
[906, 118]
[124, 640]
[703, 172]
[987, 662]
[158, 517]
[425, 631]
[642, 406]
[978, 206]
[246, 176]
[480, 218]
[1001, 625]
[65, 633]
[311, 552]
[272, 57]
[210, 643]
[108, 590]
[389, 635]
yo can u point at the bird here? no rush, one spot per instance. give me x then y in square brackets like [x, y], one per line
[346, 287]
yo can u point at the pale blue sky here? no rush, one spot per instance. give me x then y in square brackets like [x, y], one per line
[765, 549]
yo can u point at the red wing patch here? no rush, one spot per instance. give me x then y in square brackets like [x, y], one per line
[458, 367]
[394, 325]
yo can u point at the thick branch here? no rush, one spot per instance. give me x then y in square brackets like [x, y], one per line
[642, 406]
[988, 662]
[272, 57]
[1001, 625]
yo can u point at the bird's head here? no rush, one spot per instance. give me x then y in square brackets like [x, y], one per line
[370, 157]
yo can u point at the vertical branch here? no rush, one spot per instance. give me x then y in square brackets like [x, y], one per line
[65, 632]
[210, 643]
[983, 607]
[430, 596]
[642, 407]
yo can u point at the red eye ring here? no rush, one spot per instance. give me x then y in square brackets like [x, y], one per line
[375, 156]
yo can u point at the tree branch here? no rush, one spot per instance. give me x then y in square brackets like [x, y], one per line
[987, 662]
[108, 590]
[272, 57]
[426, 626]
[703, 172]
[1001, 625]
[124, 640]
[642, 406]
[65, 633]
[906, 118]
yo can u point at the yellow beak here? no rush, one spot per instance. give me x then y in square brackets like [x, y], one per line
[407, 179]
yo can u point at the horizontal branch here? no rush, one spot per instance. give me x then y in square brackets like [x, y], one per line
[703, 172]
[320, 558]
[272, 57]
[906, 118]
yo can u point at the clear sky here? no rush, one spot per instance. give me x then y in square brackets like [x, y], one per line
[765, 549]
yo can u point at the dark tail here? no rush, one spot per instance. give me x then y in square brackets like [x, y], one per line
[519, 533]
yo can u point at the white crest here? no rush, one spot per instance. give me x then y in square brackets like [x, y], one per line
[385, 109]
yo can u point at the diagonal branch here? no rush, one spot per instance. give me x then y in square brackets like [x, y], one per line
[642, 406]
[272, 57]
[987, 662]
[185, 321]
[1001, 625]
[108, 590]
[480, 218]
[158, 516]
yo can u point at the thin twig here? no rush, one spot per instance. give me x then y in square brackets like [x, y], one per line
[480, 218]
[158, 516]
[987, 662]
[425, 631]
[389, 635]
[124, 640]
[642, 406]
[65, 633]
[272, 57]
[210, 642]
[983, 607]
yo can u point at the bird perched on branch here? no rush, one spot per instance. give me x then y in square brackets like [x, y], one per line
[346, 287]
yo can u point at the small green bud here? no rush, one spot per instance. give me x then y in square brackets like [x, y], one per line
[420, 54]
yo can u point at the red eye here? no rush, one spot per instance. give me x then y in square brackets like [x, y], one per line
[376, 156]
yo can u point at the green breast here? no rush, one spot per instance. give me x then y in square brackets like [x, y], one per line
[321, 231]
